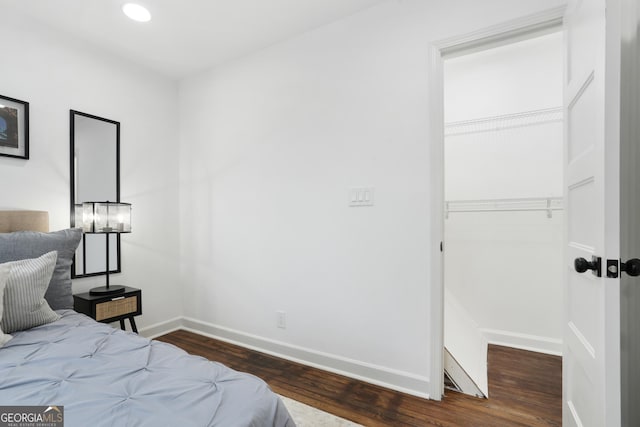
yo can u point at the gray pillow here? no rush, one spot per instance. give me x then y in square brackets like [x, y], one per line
[4, 276]
[32, 244]
[24, 306]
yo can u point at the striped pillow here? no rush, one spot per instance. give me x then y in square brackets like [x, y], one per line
[4, 276]
[24, 303]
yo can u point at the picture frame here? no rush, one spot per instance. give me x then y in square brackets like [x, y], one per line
[14, 128]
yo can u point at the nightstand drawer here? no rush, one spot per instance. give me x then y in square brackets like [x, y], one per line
[116, 307]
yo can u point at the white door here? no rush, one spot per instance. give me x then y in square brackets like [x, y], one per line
[591, 378]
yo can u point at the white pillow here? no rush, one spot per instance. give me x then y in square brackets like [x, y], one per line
[24, 303]
[4, 276]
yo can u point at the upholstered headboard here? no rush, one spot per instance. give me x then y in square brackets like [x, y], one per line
[15, 220]
[32, 240]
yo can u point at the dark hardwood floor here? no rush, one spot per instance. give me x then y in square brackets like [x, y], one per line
[525, 388]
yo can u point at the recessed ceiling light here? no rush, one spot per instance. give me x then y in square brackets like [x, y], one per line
[136, 12]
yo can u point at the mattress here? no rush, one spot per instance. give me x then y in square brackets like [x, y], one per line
[107, 377]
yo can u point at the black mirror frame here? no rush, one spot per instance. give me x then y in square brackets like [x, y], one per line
[72, 183]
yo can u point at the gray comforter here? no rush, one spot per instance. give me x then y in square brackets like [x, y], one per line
[106, 377]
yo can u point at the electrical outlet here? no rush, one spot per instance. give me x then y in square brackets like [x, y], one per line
[282, 319]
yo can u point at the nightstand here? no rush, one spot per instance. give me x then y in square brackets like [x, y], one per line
[109, 308]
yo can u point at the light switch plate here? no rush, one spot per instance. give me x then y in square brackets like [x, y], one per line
[361, 196]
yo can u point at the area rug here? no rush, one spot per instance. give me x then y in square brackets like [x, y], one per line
[308, 416]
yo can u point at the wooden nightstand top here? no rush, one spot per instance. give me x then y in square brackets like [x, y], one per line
[128, 291]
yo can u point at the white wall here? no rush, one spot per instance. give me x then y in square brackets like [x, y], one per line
[513, 78]
[55, 74]
[505, 268]
[521, 161]
[270, 145]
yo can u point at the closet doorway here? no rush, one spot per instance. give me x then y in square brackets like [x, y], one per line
[503, 192]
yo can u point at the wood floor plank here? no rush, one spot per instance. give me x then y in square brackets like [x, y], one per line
[525, 388]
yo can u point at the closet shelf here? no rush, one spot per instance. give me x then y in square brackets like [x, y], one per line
[505, 121]
[541, 204]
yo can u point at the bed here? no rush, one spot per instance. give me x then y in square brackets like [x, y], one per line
[100, 375]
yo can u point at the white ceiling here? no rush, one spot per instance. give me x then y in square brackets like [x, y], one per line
[186, 36]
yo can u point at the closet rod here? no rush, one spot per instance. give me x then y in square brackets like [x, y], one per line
[538, 204]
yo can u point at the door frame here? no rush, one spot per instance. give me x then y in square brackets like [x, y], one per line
[496, 35]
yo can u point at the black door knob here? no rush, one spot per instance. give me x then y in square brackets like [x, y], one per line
[581, 265]
[631, 267]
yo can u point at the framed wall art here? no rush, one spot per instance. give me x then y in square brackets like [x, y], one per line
[14, 128]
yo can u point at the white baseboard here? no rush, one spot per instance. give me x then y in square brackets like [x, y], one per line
[524, 341]
[161, 328]
[404, 382]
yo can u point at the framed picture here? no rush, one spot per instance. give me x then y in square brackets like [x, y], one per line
[14, 128]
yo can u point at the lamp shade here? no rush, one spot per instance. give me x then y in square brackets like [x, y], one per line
[104, 217]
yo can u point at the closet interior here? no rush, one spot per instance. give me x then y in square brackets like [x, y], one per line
[504, 217]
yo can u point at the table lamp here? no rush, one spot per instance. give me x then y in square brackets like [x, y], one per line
[105, 218]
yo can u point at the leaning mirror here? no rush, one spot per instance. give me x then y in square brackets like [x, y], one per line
[95, 176]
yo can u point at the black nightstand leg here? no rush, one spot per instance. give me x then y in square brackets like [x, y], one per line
[133, 324]
[122, 325]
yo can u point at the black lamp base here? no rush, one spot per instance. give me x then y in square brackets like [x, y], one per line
[111, 290]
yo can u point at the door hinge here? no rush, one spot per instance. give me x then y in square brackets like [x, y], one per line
[441, 247]
[612, 268]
